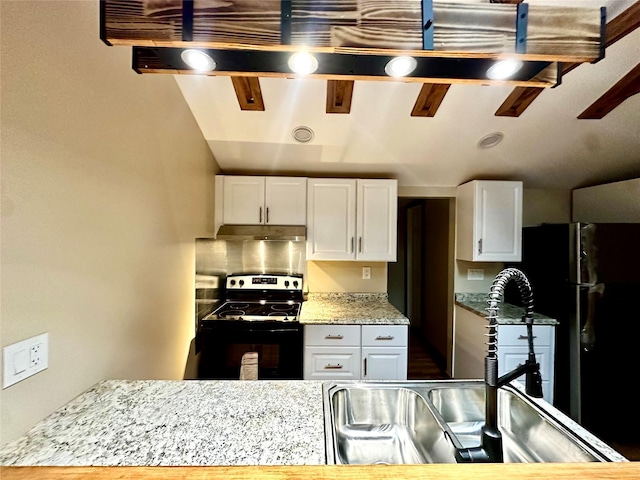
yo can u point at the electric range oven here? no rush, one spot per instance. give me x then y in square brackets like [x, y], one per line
[259, 314]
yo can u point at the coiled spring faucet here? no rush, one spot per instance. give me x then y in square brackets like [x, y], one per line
[490, 449]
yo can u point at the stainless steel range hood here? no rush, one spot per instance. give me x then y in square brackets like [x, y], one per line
[295, 233]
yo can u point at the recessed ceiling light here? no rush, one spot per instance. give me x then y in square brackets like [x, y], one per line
[302, 134]
[400, 66]
[503, 69]
[490, 140]
[198, 60]
[303, 63]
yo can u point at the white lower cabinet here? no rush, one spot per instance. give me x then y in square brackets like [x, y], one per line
[513, 348]
[354, 352]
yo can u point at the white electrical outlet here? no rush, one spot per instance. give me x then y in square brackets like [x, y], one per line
[475, 274]
[23, 359]
[366, 273]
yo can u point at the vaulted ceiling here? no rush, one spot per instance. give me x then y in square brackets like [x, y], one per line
[584, 131]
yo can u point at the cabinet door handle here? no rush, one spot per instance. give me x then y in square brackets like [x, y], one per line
[352, 239]
[334, 337]
[260, 221]
[524, 337]
[386, 337]
[480, 246]
[365, 366]
[337, 366]
[267, 216]
[360, 245]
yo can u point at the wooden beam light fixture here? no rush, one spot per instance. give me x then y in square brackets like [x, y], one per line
[248, 63]
[354, 39]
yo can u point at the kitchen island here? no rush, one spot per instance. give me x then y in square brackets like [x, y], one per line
[170, 423]
[219, 429]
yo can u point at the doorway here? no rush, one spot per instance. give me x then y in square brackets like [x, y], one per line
[420, 283]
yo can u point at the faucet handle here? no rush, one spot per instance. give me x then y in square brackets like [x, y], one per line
[533, 380]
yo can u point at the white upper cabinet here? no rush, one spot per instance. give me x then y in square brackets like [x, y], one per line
[489, 221]
[249, 200]
[349, 219]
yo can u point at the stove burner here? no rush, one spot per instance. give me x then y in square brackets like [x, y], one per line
[232, 312]
[282, 308]
[256, 311]
[237, 306]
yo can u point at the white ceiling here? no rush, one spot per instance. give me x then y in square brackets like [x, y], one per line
[546, 147]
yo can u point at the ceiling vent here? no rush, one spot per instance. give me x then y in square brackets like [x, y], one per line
[490, 140]
[302, 134]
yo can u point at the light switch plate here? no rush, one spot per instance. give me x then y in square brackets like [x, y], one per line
[22, 359]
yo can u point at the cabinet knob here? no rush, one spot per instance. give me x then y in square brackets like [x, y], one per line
[334, 337]
[385, 337]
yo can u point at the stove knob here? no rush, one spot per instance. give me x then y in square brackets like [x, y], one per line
[295, 284]
[233, 282]
[241, 282]
[286, 283]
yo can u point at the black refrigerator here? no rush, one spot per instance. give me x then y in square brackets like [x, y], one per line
[587, 276]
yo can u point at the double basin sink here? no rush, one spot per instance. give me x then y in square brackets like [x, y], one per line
[425, 422]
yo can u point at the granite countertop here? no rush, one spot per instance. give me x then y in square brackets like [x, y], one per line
[194, 423]
[507, 314]
[349, 309]
[171, 423]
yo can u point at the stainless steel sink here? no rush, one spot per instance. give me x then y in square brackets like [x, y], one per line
[386, 425]
[425, 421]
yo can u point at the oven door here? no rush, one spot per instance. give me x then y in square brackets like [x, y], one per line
[223, 343]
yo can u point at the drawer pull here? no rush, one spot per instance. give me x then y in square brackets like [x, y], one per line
[385, 337]
[333, 367]
[524, 337]
[334, 337]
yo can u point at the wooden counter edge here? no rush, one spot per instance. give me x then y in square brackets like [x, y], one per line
[538, 471]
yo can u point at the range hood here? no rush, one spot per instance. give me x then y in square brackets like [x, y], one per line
[296, 233]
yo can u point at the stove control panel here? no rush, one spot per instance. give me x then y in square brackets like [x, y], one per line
[264, 282]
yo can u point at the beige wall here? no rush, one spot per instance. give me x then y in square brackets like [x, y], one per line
[545, 206]
[106, 183]
[346, 277]
[611, 202]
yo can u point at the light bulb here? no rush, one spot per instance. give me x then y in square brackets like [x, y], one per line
[504, 69]
[198, 60]
[303, 63]
[400, 66]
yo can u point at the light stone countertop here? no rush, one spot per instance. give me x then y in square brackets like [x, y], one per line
[171, 423]
[507, 314]
[350, 309]
[194, 423]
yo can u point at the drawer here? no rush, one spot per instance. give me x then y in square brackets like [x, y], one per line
[332, 363]
[332, 335]
[517, 335]
[384, 335]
